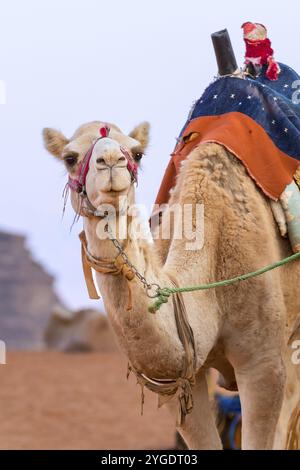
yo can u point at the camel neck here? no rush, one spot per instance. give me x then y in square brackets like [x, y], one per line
[137, 329]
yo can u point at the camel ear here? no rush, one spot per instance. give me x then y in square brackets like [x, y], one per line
[54, 141]
[141, 133]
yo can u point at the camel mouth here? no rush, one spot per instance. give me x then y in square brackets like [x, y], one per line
[114, 192]
[111, 197]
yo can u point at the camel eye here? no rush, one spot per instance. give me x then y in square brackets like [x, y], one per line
[138, 156]
[71, 159]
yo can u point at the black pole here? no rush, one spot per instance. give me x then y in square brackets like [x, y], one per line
[224, 52]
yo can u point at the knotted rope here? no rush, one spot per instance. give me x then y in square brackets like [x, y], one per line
[163, 294]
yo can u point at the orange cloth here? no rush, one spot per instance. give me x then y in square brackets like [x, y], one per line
[271, 168]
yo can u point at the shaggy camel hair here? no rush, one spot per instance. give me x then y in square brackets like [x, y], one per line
[241, 330]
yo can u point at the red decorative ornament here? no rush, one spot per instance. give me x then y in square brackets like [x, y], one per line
[273, 69]
[104, 131]
[258, 49]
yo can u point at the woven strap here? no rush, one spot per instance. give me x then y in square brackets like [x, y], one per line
[87, 270]
[104, 266]
[182, 386]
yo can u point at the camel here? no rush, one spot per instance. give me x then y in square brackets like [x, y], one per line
[241, 330]
[82, 330]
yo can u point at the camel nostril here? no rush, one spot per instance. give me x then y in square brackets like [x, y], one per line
[100, 160]
[122, 159]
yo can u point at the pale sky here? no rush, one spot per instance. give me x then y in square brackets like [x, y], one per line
[66, 62]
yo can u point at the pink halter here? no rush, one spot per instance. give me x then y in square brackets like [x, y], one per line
[78, 184]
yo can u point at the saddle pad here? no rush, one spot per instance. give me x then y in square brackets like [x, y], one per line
[255, 119]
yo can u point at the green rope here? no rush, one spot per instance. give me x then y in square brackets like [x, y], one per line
[164, 294]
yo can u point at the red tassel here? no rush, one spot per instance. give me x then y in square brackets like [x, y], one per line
[104, 131]
[273, 70]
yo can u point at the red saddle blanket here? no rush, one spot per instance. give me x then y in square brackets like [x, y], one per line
[271, 168]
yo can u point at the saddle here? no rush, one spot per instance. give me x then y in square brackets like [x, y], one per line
[265, 115]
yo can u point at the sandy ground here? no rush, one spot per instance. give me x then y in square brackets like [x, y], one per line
[51, 400]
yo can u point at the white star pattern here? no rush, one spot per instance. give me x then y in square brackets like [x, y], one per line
[249, 97]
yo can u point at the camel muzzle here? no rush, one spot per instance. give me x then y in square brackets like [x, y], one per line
[78, 184]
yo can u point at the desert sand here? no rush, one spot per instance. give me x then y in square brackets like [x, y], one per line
[51, 400]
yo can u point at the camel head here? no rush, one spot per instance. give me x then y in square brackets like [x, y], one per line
[113, 160]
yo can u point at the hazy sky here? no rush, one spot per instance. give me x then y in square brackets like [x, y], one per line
[66, 62]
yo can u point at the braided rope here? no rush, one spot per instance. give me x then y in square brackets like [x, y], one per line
[164, 293]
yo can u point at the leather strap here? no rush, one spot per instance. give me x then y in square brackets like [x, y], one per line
[181, 386]
[87, 270]
[104, 266]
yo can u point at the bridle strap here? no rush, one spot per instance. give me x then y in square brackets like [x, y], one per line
[104, 266]
[77, 185]
[181, 386]
[87, 270]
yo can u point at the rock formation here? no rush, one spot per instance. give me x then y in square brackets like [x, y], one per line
[27, 296]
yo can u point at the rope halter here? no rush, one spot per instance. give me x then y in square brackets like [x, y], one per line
[78, 184]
